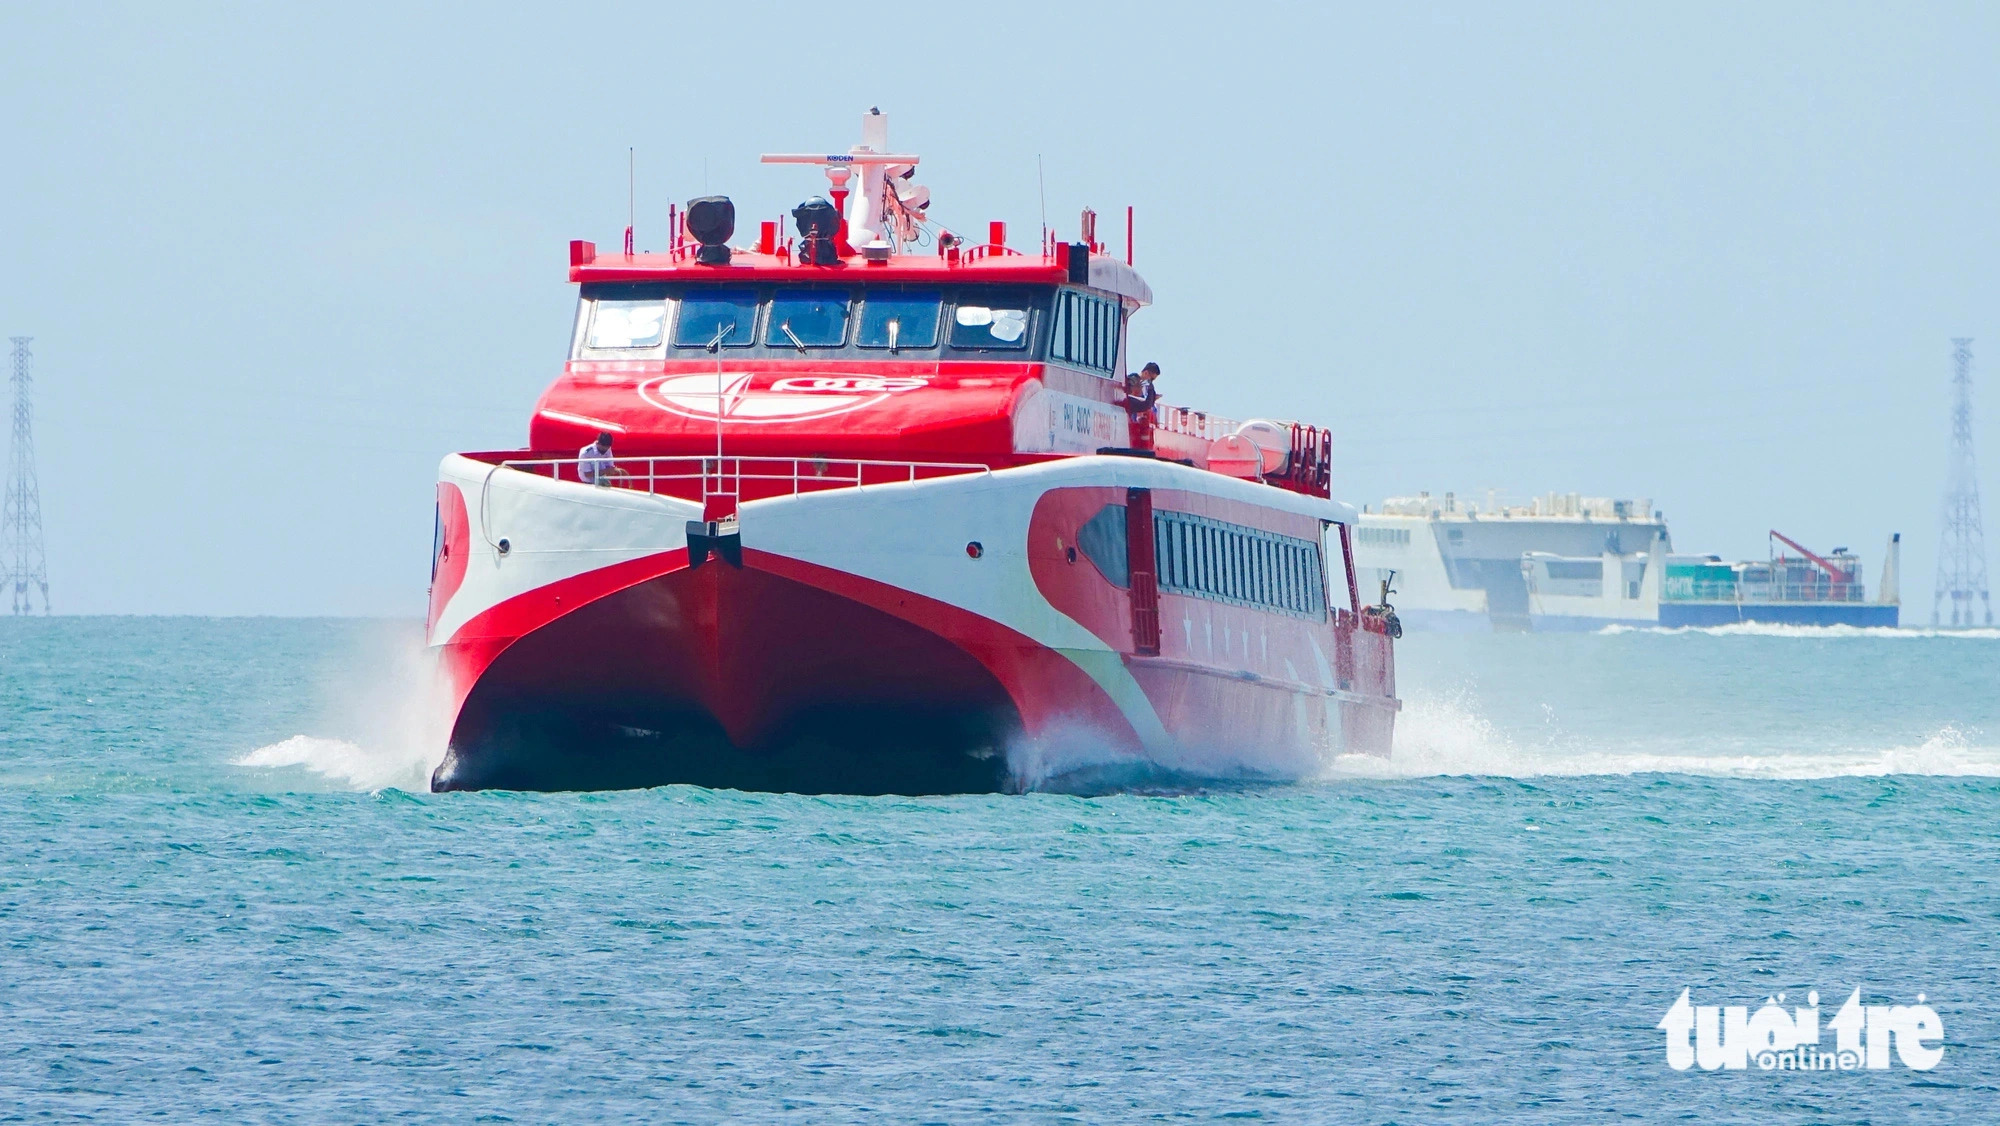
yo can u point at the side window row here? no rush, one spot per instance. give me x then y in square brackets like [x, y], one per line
[1085, 332]
[1382, 537]
[1213, 559]
[1232, 563]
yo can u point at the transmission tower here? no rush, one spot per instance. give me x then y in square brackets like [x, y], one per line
[1961, 573]
[26, 567]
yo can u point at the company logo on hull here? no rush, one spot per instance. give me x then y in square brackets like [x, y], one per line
[791, 399]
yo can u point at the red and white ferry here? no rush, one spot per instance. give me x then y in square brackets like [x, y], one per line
[881, 521]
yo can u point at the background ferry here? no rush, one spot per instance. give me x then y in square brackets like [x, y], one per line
[1565, 562]
[1457, 565]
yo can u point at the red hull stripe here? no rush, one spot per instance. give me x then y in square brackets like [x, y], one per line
[1052, 694]
[488, 633]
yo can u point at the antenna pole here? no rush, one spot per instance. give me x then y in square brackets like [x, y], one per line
[1042, 189]
[718, 429]
[631, 197]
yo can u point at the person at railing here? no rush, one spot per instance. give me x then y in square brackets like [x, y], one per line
[1140, 398]
[593, 462]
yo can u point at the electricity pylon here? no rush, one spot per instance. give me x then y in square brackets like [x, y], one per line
[25, 564]
[1961, 573]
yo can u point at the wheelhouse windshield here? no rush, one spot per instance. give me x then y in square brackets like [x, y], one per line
[860, 319]
[899, 320]
[989, 322]
[626, 324]
[807, 318]
[704, 314]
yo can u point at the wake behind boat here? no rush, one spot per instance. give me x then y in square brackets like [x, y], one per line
[879, 513]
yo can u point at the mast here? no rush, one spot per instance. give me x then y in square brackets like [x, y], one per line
[865, 211]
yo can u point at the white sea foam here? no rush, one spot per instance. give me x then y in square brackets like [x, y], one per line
[383, 725]
[384, 703]
[1777, 629]
[1444, 736]
[1081, 759]
[349, 764]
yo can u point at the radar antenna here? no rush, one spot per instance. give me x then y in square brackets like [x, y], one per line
[886, 210]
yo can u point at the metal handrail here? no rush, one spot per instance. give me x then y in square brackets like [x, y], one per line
[725, 477]
[1193, 423]
[972, 254]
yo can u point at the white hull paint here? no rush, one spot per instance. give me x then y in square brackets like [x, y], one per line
[560, 536]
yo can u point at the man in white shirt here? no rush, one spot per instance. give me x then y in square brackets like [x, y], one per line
[593, 462]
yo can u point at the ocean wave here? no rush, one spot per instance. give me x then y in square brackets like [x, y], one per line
[1444, 737]
[1777, 629]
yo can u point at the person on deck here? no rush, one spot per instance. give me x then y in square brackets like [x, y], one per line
[593, 462]
[1140, 398]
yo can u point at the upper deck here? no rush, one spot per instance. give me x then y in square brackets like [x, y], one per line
[872, 333]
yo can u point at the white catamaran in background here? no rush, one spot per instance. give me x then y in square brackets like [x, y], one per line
[1570, 562]
[1459, 567]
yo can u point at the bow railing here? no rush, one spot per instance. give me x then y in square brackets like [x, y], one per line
[720, 484]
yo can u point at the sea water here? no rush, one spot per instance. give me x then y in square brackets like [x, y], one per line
[225, 895]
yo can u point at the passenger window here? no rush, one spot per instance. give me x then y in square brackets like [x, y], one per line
[1232, 563]
[1085, 331]
[1234, 587]
[899, 320]
[806, 318]
[730, 315]
[1336, 569]
[1102, 538]
[1228, 553]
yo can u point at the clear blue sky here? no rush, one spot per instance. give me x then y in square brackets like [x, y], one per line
[277, 263]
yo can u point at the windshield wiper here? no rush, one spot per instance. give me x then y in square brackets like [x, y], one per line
[895, 330]
[786, 327]
[721, 333]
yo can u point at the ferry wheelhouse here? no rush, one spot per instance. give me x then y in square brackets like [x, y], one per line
[878, 517]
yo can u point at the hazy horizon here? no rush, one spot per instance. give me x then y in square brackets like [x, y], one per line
[278, 263]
